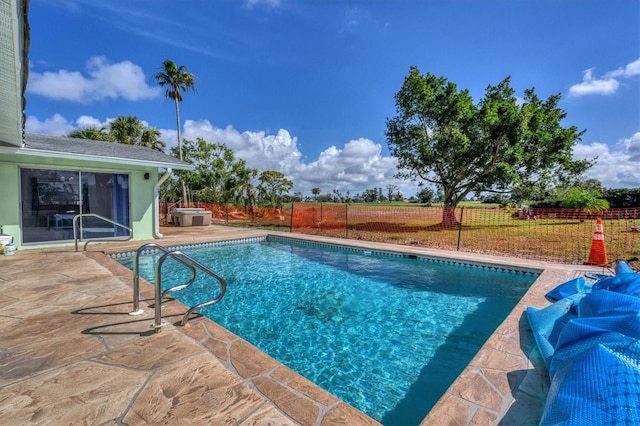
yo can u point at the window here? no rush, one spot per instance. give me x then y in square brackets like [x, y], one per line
[52, 198]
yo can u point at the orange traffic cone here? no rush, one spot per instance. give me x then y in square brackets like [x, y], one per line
[598, 254]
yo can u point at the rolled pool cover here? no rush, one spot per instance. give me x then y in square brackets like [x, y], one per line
[590, 342]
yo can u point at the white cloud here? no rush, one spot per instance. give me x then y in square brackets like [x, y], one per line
[632, 69]
[258, 149]
[57, 125]
[589, 86]
[105, 80]
[614, 168]
[88, 121]
[356, 167]
[608, 84]
[632, 146]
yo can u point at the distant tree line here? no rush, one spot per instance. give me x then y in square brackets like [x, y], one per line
[587, 194]
[616, 198]
[389, 193]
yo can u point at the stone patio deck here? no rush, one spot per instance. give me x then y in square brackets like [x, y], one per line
[71, 354]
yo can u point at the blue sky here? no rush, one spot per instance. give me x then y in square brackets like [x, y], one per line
[305, 86]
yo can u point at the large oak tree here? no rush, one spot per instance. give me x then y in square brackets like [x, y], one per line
[441, 136]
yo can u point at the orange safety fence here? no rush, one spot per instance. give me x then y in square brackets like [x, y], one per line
[558, 235]
[257, 216]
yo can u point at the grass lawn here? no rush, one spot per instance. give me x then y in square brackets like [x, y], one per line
[483, 229]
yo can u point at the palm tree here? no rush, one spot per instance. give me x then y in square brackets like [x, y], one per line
[151, 139]
[244, 177]
[92, 133]
[176, 79]
[316, 192]
[126, 130]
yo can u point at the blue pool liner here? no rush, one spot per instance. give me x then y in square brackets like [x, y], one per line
[590, 342]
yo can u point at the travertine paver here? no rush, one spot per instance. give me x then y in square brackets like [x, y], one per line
[198, 391]
[28, 359]
[83, 392]
[69, 351]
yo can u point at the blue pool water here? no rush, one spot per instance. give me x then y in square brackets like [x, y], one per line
[385, 333]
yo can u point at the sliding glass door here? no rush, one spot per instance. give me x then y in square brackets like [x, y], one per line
[52, 198]
[106, 195]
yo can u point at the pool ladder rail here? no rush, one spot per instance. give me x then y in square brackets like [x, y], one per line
[104, 219]
[182, 258]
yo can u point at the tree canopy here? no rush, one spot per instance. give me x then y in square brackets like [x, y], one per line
[623, 197]
[222, 178]
[219, 176]
[127, 130]
[273, 185]
[441, 136]
[131, 131]
[584, 199]
[91, 133]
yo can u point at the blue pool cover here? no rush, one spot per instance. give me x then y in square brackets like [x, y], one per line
[589, 339]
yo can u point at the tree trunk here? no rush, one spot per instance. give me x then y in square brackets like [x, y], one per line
[449, 217]
[449, 210]
[251, 199]
[184, 187]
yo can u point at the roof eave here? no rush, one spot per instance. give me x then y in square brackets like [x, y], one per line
[96, 158]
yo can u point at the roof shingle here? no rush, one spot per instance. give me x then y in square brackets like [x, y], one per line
[101, 151]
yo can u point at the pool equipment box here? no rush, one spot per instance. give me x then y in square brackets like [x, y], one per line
[191, 217]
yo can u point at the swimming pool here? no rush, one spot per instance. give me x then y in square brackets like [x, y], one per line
[385, 332]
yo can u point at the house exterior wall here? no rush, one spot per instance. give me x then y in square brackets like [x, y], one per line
[12, 27]
[140, 192]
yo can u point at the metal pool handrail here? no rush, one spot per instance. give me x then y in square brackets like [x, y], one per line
[75, 227]
[136, 275]
[158, 289]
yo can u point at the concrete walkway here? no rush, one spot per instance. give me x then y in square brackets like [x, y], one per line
[71, 354]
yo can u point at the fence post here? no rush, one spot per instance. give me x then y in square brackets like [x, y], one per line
[460, 228]
[291, 220]
[346, 220]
